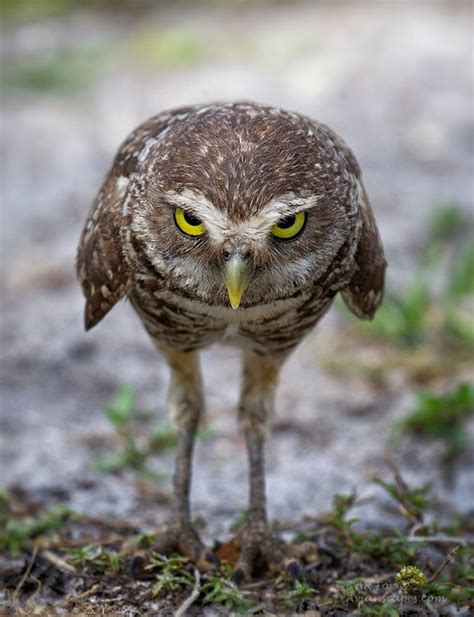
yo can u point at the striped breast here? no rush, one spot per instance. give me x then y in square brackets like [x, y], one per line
[185, 323]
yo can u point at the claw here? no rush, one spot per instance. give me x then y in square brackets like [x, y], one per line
[211, 557]
[239, 576]
[260, 548]
[293, 568]
[136, 567]
[183, 538]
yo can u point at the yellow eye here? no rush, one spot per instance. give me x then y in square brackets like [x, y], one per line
[289, 227]
[187, 223]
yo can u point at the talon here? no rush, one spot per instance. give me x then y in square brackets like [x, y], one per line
[239, 576]
[183, 538]
[211, 557]
[260, 550]
[294, 570]
[136, 567]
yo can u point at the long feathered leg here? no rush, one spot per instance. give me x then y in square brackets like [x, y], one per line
[186, 404]
[260, 378]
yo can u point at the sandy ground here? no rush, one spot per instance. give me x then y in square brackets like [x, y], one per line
[391, 77]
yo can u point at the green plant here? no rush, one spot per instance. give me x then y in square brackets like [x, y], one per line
[16, 532]
[240, 520]
[169, 47]
[435, 306]
[163, 437]
[144, 540]
[411, 579]
[223, 591]
[64, 72]
[403, 317]
[96, 558]
[350, 585]
[121, 415]
[172, 574]
[414, 501]
[337, 518]
[442, 417]
[301, 591]
[136, 448]
[357, 590]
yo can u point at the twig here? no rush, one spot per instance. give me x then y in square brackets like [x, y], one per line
[445, 563]
[434, 539]
[192, 598]
[379, 578]
[415, 516]
[415, 529]
[58, 562]
[402, 485]
[65, 544]
[89, 592]
[26, 574]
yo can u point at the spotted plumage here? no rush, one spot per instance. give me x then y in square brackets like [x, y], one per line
[186, 226]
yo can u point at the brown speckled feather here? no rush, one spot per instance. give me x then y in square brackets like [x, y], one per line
[234, 166]
[364, 294]
[235, 223]
[103, 271]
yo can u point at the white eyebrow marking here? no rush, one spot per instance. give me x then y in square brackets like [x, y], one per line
[196, 203]
[289, 203]
[255, 228]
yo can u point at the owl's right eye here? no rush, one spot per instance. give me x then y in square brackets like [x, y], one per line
[188, 224]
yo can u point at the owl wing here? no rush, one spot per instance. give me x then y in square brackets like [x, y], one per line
[102, 269]
[364, 293]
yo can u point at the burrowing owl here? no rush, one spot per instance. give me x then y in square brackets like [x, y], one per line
[236, 223]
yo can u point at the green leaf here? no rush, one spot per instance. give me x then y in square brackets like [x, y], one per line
[121, 409]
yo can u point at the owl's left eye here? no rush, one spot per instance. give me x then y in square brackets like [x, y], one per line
[290, 227]
[188, 224]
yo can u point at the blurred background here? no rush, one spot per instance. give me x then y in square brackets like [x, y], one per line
[83, 417]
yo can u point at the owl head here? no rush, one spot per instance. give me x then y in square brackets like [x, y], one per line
[236, 205]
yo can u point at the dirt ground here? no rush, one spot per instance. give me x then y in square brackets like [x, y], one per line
[391, 77]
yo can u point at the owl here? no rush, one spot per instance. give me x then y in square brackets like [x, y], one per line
[234, 223]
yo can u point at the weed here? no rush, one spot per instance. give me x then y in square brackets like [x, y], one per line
[121, 414]
[300, 592]
[389, 550]
[411, 579]
[337, 518]
[403, 318]
[135, 450]
[65, 72]
[172, 575]
[16, 532]
[169, 48]
[413, 501]
[357, 592]
[163, 437]
[96, 558]
[240, 520]
[442, 417]
[144, 540]
[350, 585]
[223, 591]
[435, 306]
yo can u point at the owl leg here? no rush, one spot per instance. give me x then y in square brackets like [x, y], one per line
[186, 404]
[258, 544]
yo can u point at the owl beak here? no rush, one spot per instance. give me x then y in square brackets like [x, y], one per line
[236, 276]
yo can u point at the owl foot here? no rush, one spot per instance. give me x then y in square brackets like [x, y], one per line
[261, 550]
[182, 538]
